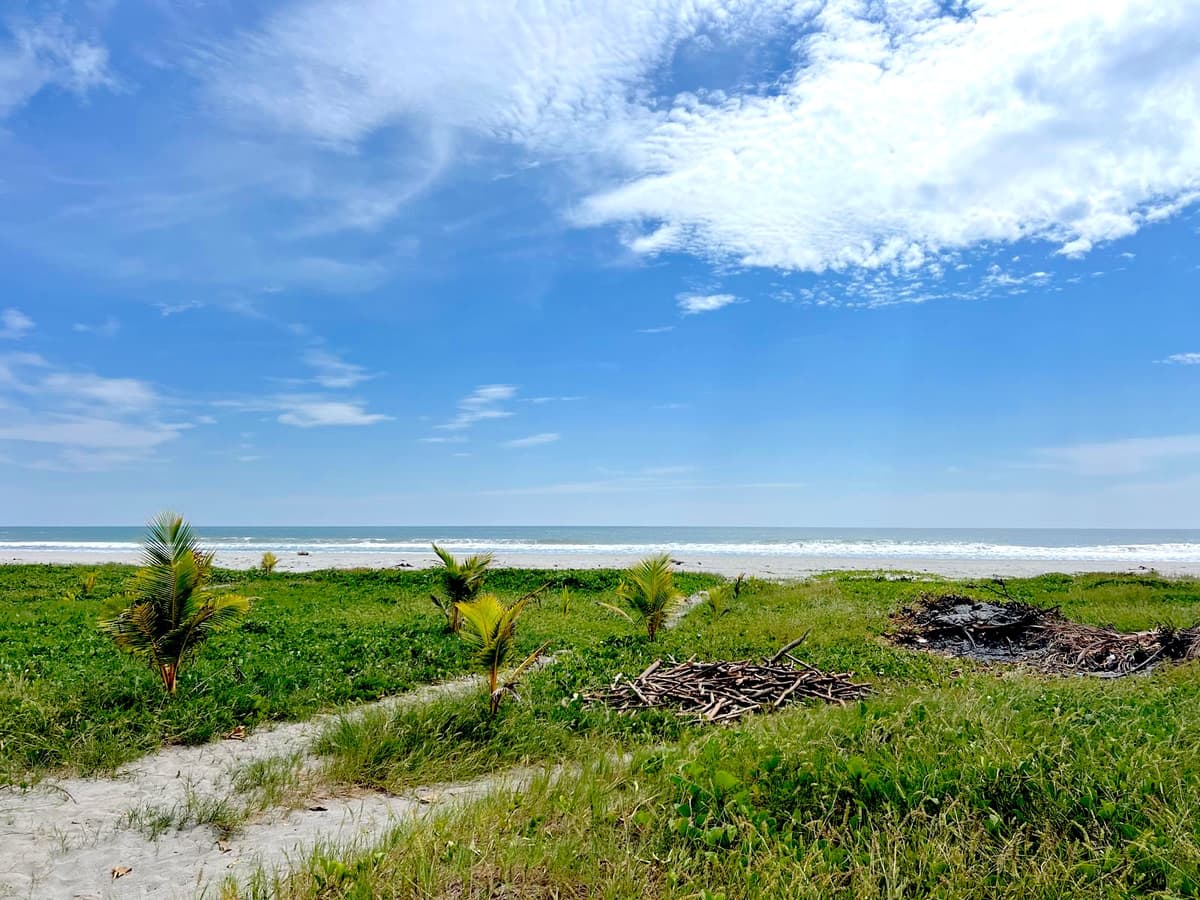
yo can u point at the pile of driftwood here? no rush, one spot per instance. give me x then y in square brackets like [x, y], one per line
[1104, 651]
[726, 691]
[1013, 631]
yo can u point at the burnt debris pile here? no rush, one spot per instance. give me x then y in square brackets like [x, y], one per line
[726, 691]
[1012, 631]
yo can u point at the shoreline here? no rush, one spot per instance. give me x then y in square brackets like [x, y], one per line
[759, 566]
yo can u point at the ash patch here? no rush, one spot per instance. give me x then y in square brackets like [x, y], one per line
[1016, 632]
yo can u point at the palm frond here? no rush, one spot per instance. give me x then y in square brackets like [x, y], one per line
[620, 612]
[462, 580]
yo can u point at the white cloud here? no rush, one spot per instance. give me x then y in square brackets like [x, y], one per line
[334, 372]
[1128, 456]
[93, 422]
[174, 309]
[44, 54]
[96, 433]
[890, 135]
[904, 132]
[122, 394]
[108, 328]
[481, 404]
[534, 440]
[690, 304]
[304, 411]
[1182, 359]
[10, 363]
[661, 329]
[538, 73]
[14, 324]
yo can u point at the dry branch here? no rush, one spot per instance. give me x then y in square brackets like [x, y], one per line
[726, 691]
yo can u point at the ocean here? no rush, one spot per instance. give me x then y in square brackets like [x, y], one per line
[1032, 544]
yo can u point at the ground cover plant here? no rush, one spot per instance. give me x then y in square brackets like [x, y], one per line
[952, 779]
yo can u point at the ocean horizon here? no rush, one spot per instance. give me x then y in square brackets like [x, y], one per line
[1093, 544]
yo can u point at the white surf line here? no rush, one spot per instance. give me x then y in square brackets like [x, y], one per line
[64, 839]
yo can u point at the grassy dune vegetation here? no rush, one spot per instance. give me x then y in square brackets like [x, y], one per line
[951, 780]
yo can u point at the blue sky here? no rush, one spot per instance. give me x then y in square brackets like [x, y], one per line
[702, 262]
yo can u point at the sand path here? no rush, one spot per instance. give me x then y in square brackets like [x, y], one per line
[62, 839]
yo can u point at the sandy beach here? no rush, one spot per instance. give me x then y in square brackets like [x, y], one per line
[758, 565]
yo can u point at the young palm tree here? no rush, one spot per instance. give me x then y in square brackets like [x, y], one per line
[268, 562]
[169, 609]
[716, 599]
[461, 580]
[490, 626]
[649, 590]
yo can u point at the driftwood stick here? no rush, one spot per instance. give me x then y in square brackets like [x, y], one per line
[791, 645]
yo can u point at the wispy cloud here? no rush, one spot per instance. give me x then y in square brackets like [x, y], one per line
[334, 372]
[481, 404]
[305, 411]
[81, 431]
[1182, 359]
[1128, 456]
[87, 390]
[93, 422]
[174, 309]
[661, 329]
[541, 401]
[48, 53]
[533, 440]
[691, 304]
[108, 328]
[14, 324]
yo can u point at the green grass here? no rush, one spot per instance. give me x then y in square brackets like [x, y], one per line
[71, 702]
[950, 780]
[1020, 788]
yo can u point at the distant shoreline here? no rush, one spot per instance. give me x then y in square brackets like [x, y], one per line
[761, 566]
